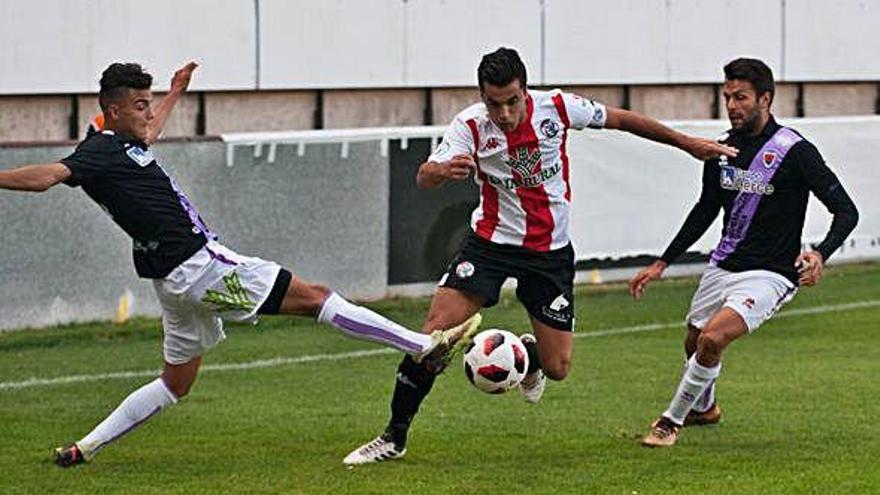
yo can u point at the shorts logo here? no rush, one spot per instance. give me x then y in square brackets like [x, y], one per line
[749, 303]
[769, 158]
[558, 309]
[465, 269]
[549, 128]
[559, 303]
[236, 300]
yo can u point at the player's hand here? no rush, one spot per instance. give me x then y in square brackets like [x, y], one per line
[638, 283]
[706, 149]
[458, 168]
[182, 76]
[810, 265]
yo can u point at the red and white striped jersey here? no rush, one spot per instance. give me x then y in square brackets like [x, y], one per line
[523, 175]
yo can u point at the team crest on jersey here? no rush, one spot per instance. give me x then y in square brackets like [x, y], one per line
[465, 269]
[549, 128]
[140, 156]
[769, 158]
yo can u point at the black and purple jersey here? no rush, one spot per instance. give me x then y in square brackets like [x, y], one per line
[123, 177]
[764, 192]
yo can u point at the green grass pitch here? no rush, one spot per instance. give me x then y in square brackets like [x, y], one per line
[801, 399]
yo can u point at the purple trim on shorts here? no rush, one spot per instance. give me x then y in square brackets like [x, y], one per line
[781, 299]
[219, 257]
[746, 203]
[375, 332]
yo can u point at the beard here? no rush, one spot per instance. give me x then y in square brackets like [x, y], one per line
[748, 124]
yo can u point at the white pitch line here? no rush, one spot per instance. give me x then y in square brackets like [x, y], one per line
[283, 361]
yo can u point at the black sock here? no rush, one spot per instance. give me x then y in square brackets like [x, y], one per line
[413, 384]
[534, 359]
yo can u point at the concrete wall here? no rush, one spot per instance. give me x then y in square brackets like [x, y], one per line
[265, 111]
[64, 260]
[301, 64]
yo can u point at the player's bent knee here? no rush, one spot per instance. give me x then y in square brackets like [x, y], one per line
[711, 344]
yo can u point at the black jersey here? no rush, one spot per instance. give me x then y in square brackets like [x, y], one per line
[123, 177]
[764, 192]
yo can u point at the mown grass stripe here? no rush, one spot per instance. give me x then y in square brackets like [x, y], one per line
[284, 361]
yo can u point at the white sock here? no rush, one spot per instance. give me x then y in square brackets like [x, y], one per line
[136, 409]
[697, 378]
[361, 323]
[707, 400]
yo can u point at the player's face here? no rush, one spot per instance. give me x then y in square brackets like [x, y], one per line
[134, 113]
[745, 109]
[506, 104]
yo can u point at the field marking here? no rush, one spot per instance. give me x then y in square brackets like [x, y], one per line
[284, 361]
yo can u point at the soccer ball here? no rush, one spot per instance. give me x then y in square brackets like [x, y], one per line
[495, 361]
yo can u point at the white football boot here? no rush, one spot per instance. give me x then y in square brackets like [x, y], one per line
[532, 385]
[378, 450]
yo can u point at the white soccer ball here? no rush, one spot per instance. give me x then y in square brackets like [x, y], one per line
[496, 361]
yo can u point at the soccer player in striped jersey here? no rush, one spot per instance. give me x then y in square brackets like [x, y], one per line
[200, 283]
[758, 264]
[514, 145]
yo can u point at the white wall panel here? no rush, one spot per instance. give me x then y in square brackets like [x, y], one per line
[61, 46]
[605, 42]
[837, 40]
[446, 39]
[706, 34]
[331, 43]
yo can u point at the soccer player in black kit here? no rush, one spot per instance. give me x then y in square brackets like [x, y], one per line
[757, 266]
[199, 282]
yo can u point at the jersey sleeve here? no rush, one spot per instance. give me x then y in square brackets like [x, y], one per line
[583, 112]
[457, 140]
[86, 163]
[828, 189]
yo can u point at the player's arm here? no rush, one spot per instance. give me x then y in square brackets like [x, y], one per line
[828, 189]
[35, 178]
[433, 174]
[453, 160]
[648, 128]
[695, 225]
[179, 84]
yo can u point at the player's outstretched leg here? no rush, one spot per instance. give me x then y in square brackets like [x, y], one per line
[137, 408]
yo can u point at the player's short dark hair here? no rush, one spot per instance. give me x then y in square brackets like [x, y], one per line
[501, 68]
[118, 78]
[753, 71]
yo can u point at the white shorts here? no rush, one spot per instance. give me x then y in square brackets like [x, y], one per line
[213, 285]
[756, 295]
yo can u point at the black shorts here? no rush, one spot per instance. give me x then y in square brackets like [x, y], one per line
[544, 279]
